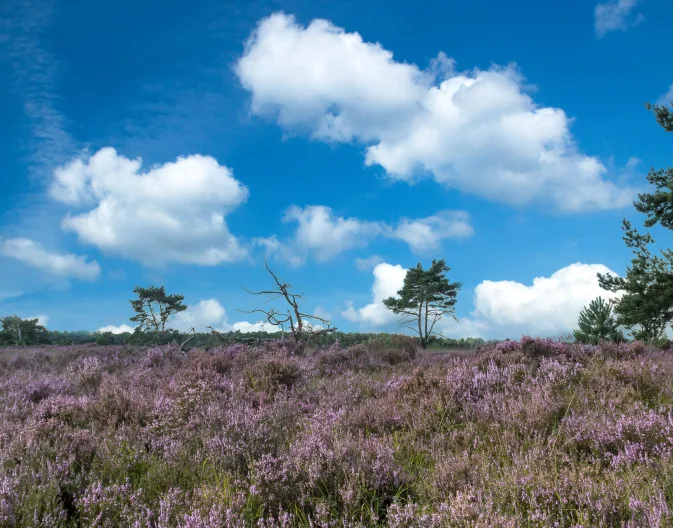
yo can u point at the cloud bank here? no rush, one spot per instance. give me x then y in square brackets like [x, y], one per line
[323, 235]
[171, 213]
[477, 131]
[547, 307]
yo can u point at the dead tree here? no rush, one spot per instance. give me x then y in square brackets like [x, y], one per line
[301, 328]
[192, 335]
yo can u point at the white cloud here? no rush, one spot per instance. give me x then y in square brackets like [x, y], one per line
[667, 98]
[321, 312]
[388, 280]
[205, 313]
[477, 131]
[42, 320]
[172, 213]
[260, 326]
[210, 312]
[324, 235]
[34, 73]
[615, 15]
[425, 234]
[549, 306]
[121, 329]
[369, 263]
[64, 265]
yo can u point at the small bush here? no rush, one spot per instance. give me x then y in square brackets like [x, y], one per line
[336, 360]
[393, 349]
[200, 361]
[537, 347]
[272, 373]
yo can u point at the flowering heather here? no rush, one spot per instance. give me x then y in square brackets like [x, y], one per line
[529, 433]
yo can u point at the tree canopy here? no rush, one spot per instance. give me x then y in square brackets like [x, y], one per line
[596, 324]
[20, 332]
[426, 297]
[647, 304]
[153, 307]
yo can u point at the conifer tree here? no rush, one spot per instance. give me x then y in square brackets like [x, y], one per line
[647, 304]
[597, 324]
[426, 297]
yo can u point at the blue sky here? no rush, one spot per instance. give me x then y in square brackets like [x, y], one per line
[345, 141]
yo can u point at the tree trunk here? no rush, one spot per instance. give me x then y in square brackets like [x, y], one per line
[425, 339]
[420, 327]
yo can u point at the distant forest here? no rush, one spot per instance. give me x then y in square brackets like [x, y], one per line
[54, 337]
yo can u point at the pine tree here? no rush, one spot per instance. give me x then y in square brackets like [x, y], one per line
[425, 298]
[153, 307]
[646, 307]
[597, 324]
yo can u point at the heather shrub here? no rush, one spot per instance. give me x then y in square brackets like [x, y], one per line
[394, 348]
[18, 361]
[508, 346]
[522, 433]
[204, 361]
[273, 372]
[395, 356]
[158, 356]
[622, 350]
[337, 360]
[538, 347]
[87, 373]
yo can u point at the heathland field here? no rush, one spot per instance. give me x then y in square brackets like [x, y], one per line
[529, 433]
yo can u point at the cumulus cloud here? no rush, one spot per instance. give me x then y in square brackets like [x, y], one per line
[549, 306]
[616, 15]
[425, 234]
[65, 265]
[324, 235]
[121, 329]
[280, 250]
[210, 312]
[205, 313]
[171, 213]
[42, 320]
[388, 280]
[667, 98]
[369, 263]
[477, 131]
[260, 326]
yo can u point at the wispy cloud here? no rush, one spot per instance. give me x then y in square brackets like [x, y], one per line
[64, 265]
[667, 98]
[616, 15]
[33, 78]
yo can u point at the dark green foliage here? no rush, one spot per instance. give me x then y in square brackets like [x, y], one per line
[105, 338]
[647, 305]
[658, 206]
[597, 324]
[153, 307]
[663, 114]
[207, 339]
[20, 332]
[426, 297]
[395, 346]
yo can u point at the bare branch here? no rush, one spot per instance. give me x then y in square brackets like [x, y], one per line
[182, 345]
[295, 317]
